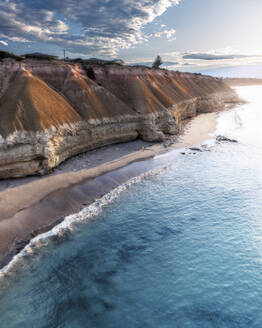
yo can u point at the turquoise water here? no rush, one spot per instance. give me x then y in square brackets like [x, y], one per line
[182, 248]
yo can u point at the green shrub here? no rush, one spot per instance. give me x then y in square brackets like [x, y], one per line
[6, 54]
[39, 56]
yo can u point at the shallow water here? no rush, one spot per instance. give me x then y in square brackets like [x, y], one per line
[182, 248]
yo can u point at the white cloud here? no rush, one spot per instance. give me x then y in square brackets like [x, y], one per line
[212, 58]
[92, 26]
[169, 34]
[4, 43]
[14, 38]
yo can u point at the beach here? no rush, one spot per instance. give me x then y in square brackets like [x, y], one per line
[130, 164]
[172, 238]
[32, 205]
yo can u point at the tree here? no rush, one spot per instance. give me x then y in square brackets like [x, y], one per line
[158, 62]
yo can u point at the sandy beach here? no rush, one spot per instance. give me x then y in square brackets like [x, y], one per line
[32, 205]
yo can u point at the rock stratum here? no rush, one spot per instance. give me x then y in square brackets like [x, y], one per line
[52, 110]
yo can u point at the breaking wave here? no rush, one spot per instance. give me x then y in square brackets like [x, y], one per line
[92, 210]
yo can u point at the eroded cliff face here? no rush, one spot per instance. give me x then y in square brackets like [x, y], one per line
[50, 111]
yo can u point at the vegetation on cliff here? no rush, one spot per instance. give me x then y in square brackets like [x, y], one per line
[6, 54]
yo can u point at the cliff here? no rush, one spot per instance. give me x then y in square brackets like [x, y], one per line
[238, 82]
[51, 110]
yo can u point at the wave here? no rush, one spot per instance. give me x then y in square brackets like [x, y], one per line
[84, 215]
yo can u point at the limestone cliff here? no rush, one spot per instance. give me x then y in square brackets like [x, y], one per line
[50, 111]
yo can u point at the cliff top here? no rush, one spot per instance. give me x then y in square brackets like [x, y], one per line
[39, 94]
[91, 62]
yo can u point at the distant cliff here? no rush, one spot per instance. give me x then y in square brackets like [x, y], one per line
[51, 110]
[237, 82]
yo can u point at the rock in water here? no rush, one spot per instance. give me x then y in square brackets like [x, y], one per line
[225, 139]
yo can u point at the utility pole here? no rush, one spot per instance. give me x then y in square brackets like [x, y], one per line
[64, 54]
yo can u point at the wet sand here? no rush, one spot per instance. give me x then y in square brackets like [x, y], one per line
[33, 205]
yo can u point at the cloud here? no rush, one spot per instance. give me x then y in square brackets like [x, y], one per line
[211, 59]
[208, 56]
[169, 34]
[14, 38]
[4, 43]
[83, 26]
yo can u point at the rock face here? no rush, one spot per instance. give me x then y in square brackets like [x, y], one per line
[50, 111]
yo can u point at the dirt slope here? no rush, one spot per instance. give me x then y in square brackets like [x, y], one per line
[50, 111]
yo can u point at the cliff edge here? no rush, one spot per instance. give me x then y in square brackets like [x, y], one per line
[52, 110]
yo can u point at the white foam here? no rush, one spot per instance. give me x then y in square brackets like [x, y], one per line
[84, 215]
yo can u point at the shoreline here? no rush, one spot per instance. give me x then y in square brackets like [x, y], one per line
[32, 208]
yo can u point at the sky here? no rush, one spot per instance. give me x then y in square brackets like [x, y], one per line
[187, 34]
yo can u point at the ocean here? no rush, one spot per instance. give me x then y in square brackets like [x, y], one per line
[180, 246]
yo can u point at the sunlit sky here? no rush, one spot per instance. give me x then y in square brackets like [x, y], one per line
[192, 34]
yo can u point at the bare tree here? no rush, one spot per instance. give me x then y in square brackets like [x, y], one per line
[158, 62]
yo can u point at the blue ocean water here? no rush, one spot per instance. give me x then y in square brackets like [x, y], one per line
[182, 248]
[248, 71]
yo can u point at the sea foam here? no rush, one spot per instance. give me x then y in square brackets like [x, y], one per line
[92, 210]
